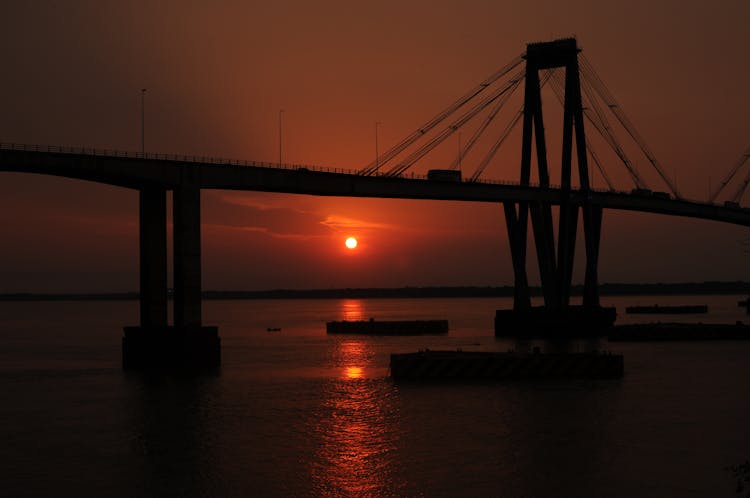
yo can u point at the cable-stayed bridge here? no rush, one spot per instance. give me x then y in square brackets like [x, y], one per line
[585, 100]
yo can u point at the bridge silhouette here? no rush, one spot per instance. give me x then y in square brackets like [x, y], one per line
[189, 342]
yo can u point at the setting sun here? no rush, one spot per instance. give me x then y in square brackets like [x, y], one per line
[351, 243]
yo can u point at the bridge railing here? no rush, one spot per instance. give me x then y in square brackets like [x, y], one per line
[184, 158]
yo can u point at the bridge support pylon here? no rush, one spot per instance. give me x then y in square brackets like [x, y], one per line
[154, 344]
[153, 257]
[555, 261]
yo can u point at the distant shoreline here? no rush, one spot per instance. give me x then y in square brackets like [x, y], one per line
[658, 289]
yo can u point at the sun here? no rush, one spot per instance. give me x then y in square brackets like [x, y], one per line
[351, 243]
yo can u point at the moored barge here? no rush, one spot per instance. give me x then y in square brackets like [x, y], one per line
[388, 327]
[668, 310]
[680, 332]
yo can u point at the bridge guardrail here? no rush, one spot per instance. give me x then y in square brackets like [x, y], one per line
[57, 149]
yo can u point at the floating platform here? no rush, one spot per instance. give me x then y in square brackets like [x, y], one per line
[460, 365]
[680, 332]
[542, 323]
[389, 327]
[668, 310]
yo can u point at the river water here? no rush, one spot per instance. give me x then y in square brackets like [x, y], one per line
[299, 413]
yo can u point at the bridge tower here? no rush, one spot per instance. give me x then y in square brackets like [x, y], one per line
[555, 262]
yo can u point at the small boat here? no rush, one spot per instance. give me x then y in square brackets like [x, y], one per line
[668, 310]
[273, 329]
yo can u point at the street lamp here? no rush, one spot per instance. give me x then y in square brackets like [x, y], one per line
[459, 151]
[143, 121]
[281, 112]
[377, 155]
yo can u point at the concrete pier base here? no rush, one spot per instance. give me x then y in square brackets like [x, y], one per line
[189, 348]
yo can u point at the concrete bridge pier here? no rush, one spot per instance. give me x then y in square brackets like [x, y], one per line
[153, 257]
[154, 344]
[187, 255]
[557, 318]
[517, 226]
[196, 345]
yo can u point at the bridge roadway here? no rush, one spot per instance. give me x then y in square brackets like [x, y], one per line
[169, 172]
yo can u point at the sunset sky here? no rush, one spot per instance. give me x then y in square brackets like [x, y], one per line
[218, 73]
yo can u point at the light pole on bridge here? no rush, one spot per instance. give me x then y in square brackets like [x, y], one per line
[377, 154]
[459, 152]
[281, 112]
[143, 121]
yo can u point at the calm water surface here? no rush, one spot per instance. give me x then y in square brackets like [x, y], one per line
[298, 413]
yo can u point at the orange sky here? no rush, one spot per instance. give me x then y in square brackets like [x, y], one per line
[217, 74]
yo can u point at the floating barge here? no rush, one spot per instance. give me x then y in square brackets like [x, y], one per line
[680, 332]
[388, 327]
[541, 322]
[464, 365]
[668, 310]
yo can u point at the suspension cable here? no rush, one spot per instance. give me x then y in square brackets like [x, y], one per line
[743, 158]
[615, 108]
[601, 124]
[508, 129]
[741, 189]
[429, 125]
[488, 157]
[558, 89]
[599, 166]
[490, 117]
[452, 128]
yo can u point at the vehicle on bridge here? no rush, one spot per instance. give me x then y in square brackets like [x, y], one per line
[444, 175]
[641, 191]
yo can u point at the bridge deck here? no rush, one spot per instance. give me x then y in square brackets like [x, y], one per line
[168, 171]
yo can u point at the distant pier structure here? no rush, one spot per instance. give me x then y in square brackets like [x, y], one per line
[555, 263]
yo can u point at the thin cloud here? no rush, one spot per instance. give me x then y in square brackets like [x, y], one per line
[262, 204]
[268, 232]
[344, 224]
[341, 223]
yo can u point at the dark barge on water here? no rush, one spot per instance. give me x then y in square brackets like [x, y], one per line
[680, 332]
[388, 327]
[668, 310]
[540, 322]
[474, 365]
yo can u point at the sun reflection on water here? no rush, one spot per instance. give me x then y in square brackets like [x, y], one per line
[354, 372]
[351, 359]
[356, 428]
[352, 310]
